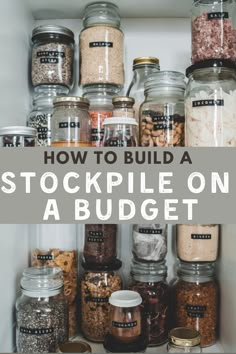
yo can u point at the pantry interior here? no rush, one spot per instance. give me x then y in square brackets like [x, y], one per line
[154, 28]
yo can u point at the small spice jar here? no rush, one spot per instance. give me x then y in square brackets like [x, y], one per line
[97, 285]
[123, 107]
[74, 347]
[149, 280]
[41, 311]
[17, 136]
[184, 340]
[120, 132]
[196, 298]
[198, 243]
[71, 122]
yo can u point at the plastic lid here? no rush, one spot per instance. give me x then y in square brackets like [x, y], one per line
[115, 265]
[74, 347]
[145, 60]
[185, 337]
[211, 63]
[71, 99]
[125, 298]
[47, 29]
[101, 12]
[120, 120]
[120, 99]
[18, 130]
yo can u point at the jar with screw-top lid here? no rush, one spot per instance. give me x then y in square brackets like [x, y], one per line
[184, 340]
[123, 106]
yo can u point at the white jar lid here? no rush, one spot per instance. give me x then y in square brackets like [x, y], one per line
[125, 298]
[120, 120]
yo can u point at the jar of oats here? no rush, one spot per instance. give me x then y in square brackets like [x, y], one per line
[101, 46]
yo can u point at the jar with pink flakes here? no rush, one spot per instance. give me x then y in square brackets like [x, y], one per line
[213, 30]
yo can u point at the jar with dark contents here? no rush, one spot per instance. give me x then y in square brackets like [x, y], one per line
[18, 136]
[149, 280]
[120, 132]
[196, 299]
[97, 285]
[184, 340]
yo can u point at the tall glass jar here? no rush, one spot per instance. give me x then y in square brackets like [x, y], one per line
[123, 106]
[101, 46]
[184, 340]
[120, 132]
[210, 104]
[149, 280]
[71, 122]
[162, 113]
[41, 311]
[197, 300]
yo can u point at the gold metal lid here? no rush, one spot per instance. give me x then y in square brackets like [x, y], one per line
[70, 99]
[146, 60]
[185, 337]
[74, 347]
[123, 99]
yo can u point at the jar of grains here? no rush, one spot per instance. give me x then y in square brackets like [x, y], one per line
[97, 285]
[101, 46]
[123, 106]
[17, 136]
[184, 340]
[198, 243]
[52, 56]
[120, 132]
[210, 104]
[149, 242]
[71, 122]
[149, 280]
[213, 30]
[162, 113]
[41, 311]
[197, 300]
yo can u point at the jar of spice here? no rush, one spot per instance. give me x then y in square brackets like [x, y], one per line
[101, 46]
[120, 132]
[97, 285]
[41, 311]
[162, 113]
[71, 122]
[149, 280]
[52, 56]
[123, 106]
[210, 104]
[184, 340]
[17, 136]
[197, 300]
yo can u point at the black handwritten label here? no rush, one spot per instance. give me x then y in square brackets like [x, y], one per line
[65, 125]
[124, 324]
[217, 15]
[100, 44]
[49, 60]
[36, 331]
[201, 236]
[163, 126]
[150, 231]
[50, 54]
[117, 143]
[98, 300]
[207, 103]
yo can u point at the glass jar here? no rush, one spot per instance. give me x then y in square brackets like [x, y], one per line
[120, 132]
[149, 242]
[149, 280]
[123, 106]
[71, 122]
[74, 347]
[97, 285]
[17, 136]
[101, 46]
[197, 300]
[210, 104]
[52, 56]
[184, 340]
[213, 30]
[198, 243]
[41, 311]
[100, 243]
[162, 113]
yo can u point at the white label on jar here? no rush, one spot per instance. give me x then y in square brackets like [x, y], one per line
[36, 331]
[201, 236]
[217, 15]
[204, 103]
[124, 324]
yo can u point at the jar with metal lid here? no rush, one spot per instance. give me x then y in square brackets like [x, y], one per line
[210, 104]
[97, 285]
[196, 298]
[184, 340]
[41, 311]
[198, 243]
[149, 280]
[123, 106]
[101, 46]
[18, 136]
[74, 347]
[71, 122]
[120, 132]
[213, 30]
[162, 113]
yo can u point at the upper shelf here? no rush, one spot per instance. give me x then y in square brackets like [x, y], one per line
[73, 9]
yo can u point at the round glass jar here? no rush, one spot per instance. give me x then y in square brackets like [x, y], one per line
[197, 300]
[71, 122]
[149, 280]
[74, 347]
[210, 104]
[198, 243]
[101, 46]
[184, 340]
[213, 30]
[162, 113]
[120, 132]
[41, 311]
[52, 56]
[18, 136]
[123, 106]
[97, 285]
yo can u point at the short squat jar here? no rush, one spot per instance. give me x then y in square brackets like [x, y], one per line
[184, 340]
[120, 132]
[18, 136]
[123, 107]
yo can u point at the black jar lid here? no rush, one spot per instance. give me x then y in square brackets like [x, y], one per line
[211, 63]
[112, 345]
[115, 265]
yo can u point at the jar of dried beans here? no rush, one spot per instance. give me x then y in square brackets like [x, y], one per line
[123, 106]
[149, 280]
[184, 340]
[101, 46]
[120, 132]
[162, 113]
[97, 285]
[213, 30]
[196, 299]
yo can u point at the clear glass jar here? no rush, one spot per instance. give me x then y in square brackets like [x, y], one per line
[149, 242]
[97, 285]
[184, 340]
[41, 311]
[71, 125]
[120, 132]
[123, 106]
[17, 136]
[101, 46]
[149, 280]
[162, 113]
[213, 30]
[74, 347]
[52, 56]
[197, 300]
[198, 243]
[210, 104]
